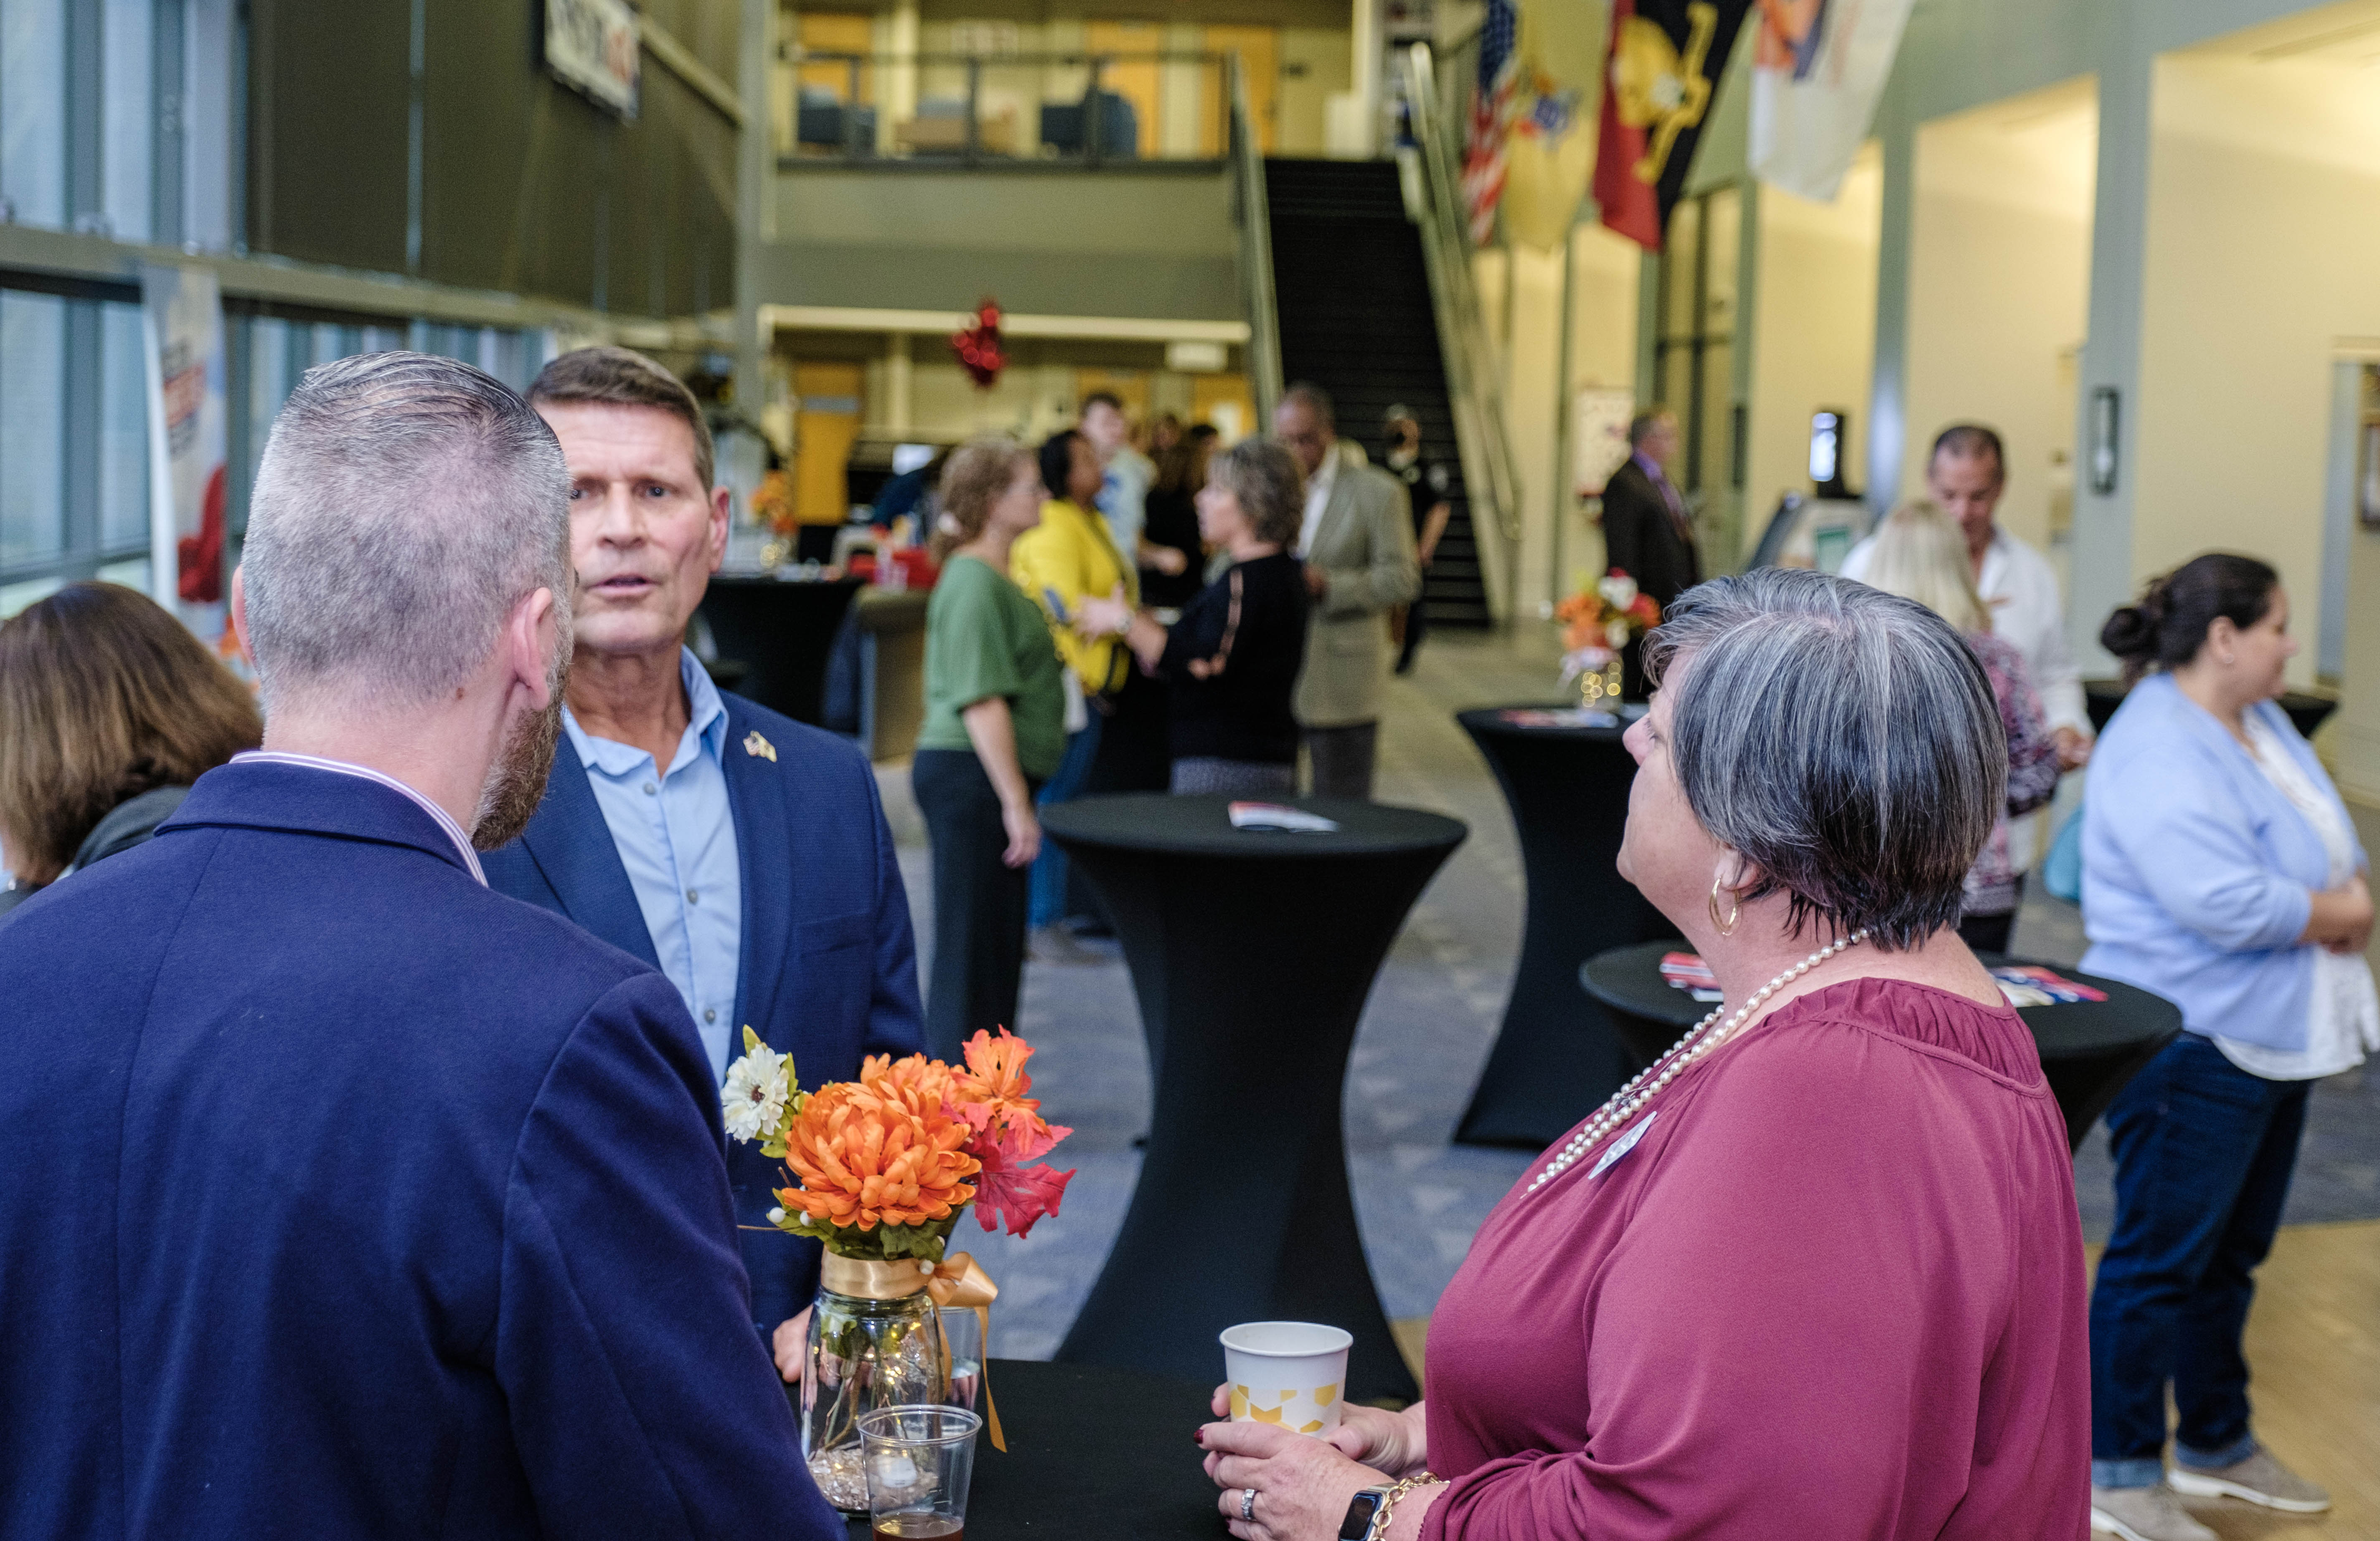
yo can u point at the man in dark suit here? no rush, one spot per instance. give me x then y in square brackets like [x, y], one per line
[344, 1197]
[1646, 531]
[742, 853]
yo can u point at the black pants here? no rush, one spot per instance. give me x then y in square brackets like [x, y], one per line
[1989, 933]
[1416, 628]
[1340, 759]
[980, 902]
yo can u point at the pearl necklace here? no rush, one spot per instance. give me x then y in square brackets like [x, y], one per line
[1686, 1051]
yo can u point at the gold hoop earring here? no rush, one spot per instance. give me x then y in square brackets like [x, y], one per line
[1725, 927]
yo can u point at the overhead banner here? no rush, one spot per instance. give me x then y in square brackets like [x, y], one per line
[182, 326]
[1661, 74]
[1817, 68]
[593, 46]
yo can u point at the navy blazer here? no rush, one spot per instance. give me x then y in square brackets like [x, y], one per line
[830, 966]
[344, 1197]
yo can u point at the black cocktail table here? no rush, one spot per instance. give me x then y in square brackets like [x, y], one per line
[2306, 712]
[1092, 1450]
[1557, 1057]
[2089, 1049]
[783, 632]
[1251, 954]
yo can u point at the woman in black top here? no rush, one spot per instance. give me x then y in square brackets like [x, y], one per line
[1173, 520]
[1231, 661]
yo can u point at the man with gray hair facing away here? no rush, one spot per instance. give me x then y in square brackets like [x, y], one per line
[347, 1198]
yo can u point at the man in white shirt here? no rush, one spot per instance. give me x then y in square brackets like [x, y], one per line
[1966, 475]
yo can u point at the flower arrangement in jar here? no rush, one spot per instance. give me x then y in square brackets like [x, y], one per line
[881, 1169]
[1596, 624]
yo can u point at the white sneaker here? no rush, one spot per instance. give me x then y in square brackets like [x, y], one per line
[2144, 1515]
[2259, 1479]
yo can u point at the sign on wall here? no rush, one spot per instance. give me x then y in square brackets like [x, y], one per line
[592, 47]
[182, 327]
[1599, 436]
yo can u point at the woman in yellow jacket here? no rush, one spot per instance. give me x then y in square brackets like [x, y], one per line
[1067, 558]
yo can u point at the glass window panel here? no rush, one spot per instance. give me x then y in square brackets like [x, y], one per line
[33, 109]
[1724, 240]
[1677, 256]
[123, 431]
[1674, 384]
[132, 574]
[15, 596]
[32, 427]
[128, 116]
[268, 384]
[1719, 375]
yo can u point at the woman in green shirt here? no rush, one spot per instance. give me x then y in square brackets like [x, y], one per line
[994, 731]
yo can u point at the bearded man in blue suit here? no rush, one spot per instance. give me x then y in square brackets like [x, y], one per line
[743, 854]
[344, 1197]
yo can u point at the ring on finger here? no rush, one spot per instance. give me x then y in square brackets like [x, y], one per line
[1248, 1504]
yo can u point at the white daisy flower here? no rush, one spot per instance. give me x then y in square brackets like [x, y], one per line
[753, 1101]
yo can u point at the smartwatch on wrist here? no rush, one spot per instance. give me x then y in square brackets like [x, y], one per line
[1364, 1511]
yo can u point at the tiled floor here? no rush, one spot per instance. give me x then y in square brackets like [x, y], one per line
[1426, 1031]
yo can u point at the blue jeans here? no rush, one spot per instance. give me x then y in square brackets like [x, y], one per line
[1050, 867]
[2204, 1152]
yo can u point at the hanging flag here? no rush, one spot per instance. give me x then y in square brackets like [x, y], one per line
[1817, 68]
[1661, 72]
[1491, 119]
[182, 328]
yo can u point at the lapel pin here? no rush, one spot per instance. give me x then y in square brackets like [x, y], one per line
[759, 747]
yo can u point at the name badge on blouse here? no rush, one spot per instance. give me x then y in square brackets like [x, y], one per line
[1622, 1146]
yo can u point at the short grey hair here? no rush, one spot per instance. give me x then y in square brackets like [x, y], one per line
[404, 504]
[1313, 398]
[1271, 490]
[1843, 740]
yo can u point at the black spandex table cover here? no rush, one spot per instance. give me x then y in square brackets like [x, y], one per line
[2101, 698]
[783, 632]
[1251, 956]
[1092, 1451]
[2089, 1049]
[1557, 1057]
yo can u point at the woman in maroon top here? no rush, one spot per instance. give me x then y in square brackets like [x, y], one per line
[1818, 1272]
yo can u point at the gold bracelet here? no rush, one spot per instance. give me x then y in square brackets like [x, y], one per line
[1411, 1484]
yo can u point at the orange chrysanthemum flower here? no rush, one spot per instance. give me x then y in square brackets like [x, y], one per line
[886, 1149]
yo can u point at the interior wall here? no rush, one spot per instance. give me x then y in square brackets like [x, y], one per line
[1604, 271]
[2000, 273]
[1813, 331]
[2264, 211]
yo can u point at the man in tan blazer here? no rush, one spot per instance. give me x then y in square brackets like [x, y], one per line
[1358, 548]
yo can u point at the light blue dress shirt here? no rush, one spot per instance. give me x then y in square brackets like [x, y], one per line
[677, 836]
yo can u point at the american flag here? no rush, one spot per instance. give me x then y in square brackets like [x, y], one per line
[1491, 117]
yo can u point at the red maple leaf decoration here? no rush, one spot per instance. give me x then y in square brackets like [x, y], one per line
[1009, 1189]
[978, 345]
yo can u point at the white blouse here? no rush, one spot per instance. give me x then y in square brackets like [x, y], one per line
[2346, 1008]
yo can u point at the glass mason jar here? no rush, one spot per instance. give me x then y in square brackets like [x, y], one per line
[1600, 688]
[865, 1354]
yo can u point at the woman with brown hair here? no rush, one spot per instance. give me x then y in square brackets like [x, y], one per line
[994, 731]
[109, 710]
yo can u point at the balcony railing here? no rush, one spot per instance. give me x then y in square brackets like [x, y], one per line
[1022, 110]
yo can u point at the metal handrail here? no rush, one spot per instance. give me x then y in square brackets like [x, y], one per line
[1255, 216]
[1474, 366]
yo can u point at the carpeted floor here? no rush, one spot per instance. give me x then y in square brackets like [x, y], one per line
[1426, 1031]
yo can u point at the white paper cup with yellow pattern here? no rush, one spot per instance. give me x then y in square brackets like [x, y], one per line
[1286, 1372]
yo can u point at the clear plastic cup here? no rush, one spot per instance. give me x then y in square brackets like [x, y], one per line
[1287, 1373]
[963, 1331]
[920, 1459]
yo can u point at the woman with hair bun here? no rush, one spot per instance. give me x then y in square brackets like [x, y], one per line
[2221, 870]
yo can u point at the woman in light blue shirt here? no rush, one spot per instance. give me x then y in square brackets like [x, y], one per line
[2221, 870]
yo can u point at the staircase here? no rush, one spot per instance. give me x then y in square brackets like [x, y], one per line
[1353, 300]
